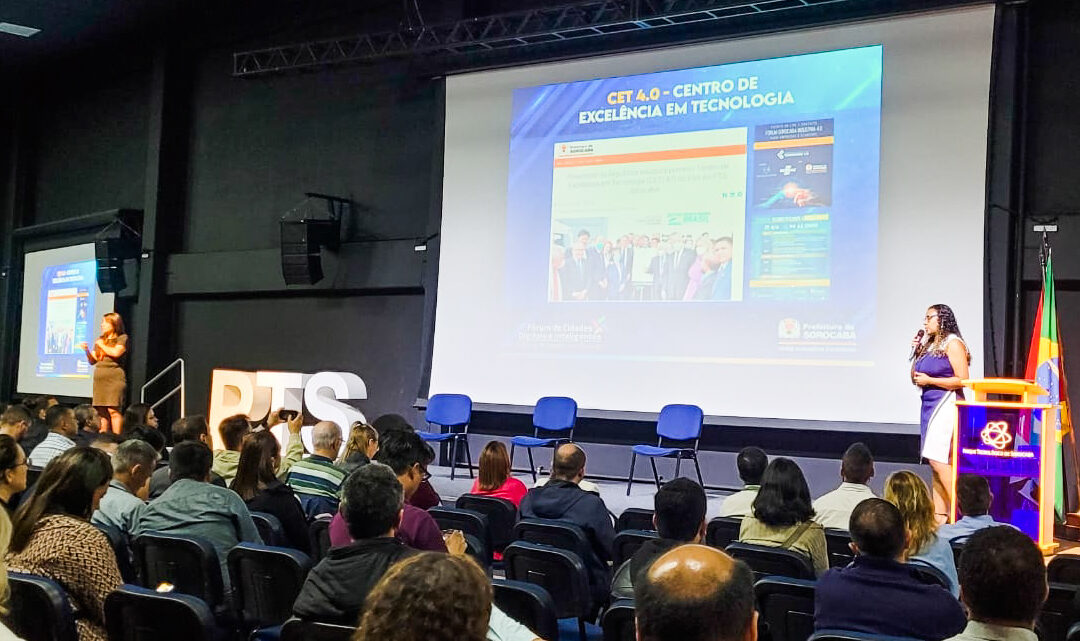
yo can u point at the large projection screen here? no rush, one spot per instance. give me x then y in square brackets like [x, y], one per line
[61, 308]
[766, 221]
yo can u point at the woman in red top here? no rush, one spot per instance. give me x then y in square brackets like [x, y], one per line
[494, 479]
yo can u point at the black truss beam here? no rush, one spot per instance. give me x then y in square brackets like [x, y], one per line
[540, 26]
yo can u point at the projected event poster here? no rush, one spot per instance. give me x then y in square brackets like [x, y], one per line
[739, 200]
[67, 319]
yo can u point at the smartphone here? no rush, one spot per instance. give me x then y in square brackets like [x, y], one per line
[287, 415]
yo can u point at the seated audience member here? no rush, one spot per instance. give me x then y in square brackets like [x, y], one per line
[193, 507]
[679, 517]
[562, 499]
[695, 593]
[149, 435]
[36, 406]
[973, 497]
[138, 414]
[133, 463]
[361, 447]
[902, 605]
[315, 479]
[14, 422]
[62, 429]
[12, 472]
[336, 588]
[5, 590]
[1003, 584]
[52, 536]
[425, 496]
[191, 428]
[833, 510]
[782, 515]
[494, 478]
[257, 484]
[751, 463]
[429, 597]
[86, 417]
[105, 441]
[910, 495]
[403, 452]
[233, 430]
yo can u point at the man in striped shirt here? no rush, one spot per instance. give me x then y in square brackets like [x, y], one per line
[316, 480]
[62, 429]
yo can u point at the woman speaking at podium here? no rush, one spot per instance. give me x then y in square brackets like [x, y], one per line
[940, 362]
[110, 382]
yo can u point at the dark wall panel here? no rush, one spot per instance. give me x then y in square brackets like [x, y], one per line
[376, 337]
[91, 146]
[259, 144]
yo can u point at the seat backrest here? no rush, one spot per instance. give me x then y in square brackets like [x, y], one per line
[297, 630]
[635, 518]
[134, 613]
[1074, 633]
[468, 521]
[846, 635]
[189, 563]
[1064, 568]
[558, 571]
[787, 605]
[122, 549]
[501, 516]
[560, 534]
[618, 621]
[837, 544]
[1059, 612]
[528, 604]
[265, 582]
[319, 533]
[769, 561]
[448, 410]
[722, 531]
[627, 542]
[555, 413]
[927, 573]
[40, 610]
[957, 546]
[270, 529]
[680, 422]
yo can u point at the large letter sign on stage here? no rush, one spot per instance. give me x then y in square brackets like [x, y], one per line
[255, 393]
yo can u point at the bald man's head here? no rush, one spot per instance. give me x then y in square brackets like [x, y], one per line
[326, 437]
[696, 593]
[568, 463]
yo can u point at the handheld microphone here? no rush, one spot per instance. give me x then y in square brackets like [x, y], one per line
[918, 337]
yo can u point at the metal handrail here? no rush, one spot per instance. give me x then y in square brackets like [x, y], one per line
[181, 388]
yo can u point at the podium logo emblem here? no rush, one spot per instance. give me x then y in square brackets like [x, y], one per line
[996, 434]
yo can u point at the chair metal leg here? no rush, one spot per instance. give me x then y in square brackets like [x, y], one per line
[581, 628]
[698, 468]
[468, 455]
[630, 479]
[656, 477]
[532, 465]
[678, 462]
[453, 457]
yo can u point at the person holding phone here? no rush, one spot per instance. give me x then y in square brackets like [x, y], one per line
[108, 357]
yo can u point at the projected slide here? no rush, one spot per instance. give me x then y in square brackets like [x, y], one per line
[733, 200]
[61, 308]
[67, 319]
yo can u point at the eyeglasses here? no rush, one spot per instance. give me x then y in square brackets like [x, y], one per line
[929, 316]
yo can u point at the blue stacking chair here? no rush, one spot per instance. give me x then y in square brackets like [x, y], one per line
[450, 411]
[681, 423]
[552, 415]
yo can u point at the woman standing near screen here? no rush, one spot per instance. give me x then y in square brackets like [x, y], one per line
[110, 383]
[940, 364]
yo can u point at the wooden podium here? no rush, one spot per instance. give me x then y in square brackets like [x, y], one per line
[1006, 435]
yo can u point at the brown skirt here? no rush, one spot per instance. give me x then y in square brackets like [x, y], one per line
[110, 384]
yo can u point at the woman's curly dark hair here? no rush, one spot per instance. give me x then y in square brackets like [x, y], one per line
[428, 597]
[947, 326]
